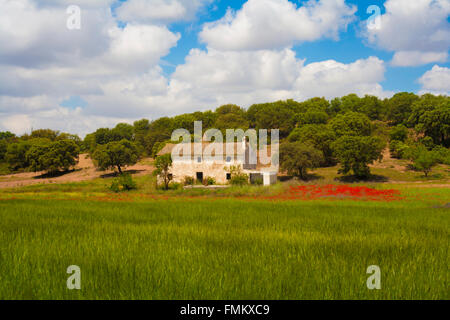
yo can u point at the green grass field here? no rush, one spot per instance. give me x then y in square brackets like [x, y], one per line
[222, 248]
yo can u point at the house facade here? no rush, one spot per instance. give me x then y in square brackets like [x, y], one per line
[215, 159]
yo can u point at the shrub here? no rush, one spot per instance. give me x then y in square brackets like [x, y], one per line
[238, 178]
[209, 181]
[399, 133]
[425, 161]
[124, 182]
[163, 164]
[398, 149]
[258, 181]
[175, 186]
[442, 154]
[188, 181]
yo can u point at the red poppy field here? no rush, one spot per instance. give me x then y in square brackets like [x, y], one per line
[314, 192]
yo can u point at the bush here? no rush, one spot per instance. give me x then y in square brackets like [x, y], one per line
[442, 154]
[209, 181]
[399, 133]
[425, 161]
[398, 149]
[258, 181]
[124, 182]
[238, 178]
[188, 181]
[175, 186]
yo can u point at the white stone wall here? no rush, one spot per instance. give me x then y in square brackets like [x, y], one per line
[216, 170]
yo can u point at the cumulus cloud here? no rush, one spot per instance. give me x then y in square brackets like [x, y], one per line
[43, 63]
[117, 71]
[332, 78]
[268, 24]
[416, 58]
[418, 31]
[436, 81]
[217, 77]
[159, 11]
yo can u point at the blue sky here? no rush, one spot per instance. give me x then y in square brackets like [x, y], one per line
[350, 47]
[133, 59]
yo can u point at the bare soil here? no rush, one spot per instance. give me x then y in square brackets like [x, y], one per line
[84, 170]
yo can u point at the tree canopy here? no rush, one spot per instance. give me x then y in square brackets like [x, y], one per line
[116, 154]
[296, 158]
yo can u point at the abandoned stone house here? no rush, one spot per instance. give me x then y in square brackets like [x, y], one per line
[215, 159]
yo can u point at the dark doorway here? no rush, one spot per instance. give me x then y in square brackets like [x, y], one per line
[200, 177]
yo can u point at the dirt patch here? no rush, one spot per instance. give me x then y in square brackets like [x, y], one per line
[84, 170]
[389, 163]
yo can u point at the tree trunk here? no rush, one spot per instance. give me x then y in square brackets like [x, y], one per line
[120, 169]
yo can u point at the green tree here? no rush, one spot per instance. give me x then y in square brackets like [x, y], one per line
[310, 105]
[103, 136]
[320, 136]
[296, 158]
[44, 134]
[398, 149]
[355, 153]
[427, 102]
[7, 135]
[399, 107]
[208, 118]
[373, 107]
[116, 154]
[425, 161]
[160, 130]
[16, 155]
[184, 121]
[89, 143]
[38, 148]
[230, 116]
[436, 124]
[122, 131]
[351, 123]
[141, 129]
[3, 149]
[163, 164]
[277, 115]
[399, 133]
[311, 117]
[61, 155]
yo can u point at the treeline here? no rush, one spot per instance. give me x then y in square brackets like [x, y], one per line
[350, 130]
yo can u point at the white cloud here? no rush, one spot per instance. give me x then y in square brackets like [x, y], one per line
[436, 81]
[117, 70]
[268, 24]
[17, 123]
[211, 78]
[140, 46]
[418, 31]
[160, 11]
[333, 79]
[416, 58]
